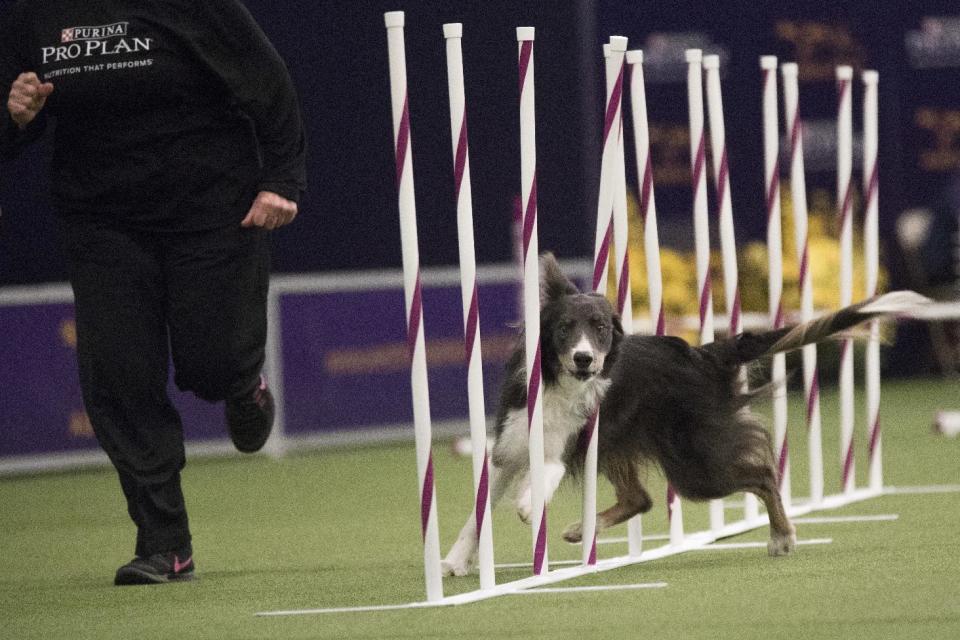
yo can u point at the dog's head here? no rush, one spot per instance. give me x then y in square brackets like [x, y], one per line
[579, 332]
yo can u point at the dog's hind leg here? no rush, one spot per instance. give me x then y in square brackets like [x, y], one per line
[783, 535]
[632, 498]
[761, 480]
[463, 554]
[754, 469]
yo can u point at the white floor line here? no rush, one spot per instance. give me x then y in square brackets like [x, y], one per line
[883, 517]
[933, 488]
[602, 587]
[758, 545]
[380, 607]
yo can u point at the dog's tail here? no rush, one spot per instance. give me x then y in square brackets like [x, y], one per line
[751, 346]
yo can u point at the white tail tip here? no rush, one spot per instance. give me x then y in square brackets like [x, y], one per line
[897, 302]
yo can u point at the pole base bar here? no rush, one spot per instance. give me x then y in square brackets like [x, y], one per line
[691, 542]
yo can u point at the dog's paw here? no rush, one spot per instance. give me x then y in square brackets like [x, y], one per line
[453, 568]
[461, 559]
[574, 533]
[525, 513]
[782, 545]
[525, 507]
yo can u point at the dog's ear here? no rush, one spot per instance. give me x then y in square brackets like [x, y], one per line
[553, 284]
[617, 334]
[617, 328]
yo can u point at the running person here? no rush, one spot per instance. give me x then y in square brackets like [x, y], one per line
[177, 144]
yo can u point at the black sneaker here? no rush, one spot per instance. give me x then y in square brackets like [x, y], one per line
[156, 569]
[250, 418]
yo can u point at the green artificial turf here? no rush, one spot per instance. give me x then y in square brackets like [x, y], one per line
[341, 528]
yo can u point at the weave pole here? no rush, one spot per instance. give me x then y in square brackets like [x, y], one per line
[453, 33]
[651, 238]
[531, 299]
[621, 235]
[845, 215]
[798, 191]
[648, 205]
[414, 304]
[728, 244]
[701, 227]
[611, 220]
[872, 259]
[771, 162]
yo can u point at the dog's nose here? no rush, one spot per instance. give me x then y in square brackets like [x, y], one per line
[582, 359]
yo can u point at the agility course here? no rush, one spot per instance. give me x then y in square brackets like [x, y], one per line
[611, 234]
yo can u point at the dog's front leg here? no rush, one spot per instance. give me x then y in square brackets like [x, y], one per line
[463, 554]
[553, 472]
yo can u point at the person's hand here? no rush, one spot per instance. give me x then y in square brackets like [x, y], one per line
[270, 211]
[27, 97]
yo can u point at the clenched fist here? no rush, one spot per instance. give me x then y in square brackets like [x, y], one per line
[27, 97]
[270, 211]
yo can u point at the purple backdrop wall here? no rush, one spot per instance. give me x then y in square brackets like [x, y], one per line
[344, 361]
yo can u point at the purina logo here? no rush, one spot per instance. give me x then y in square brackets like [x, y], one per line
[88, 42]
[72, 34]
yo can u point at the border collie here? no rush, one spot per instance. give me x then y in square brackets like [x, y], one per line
[661, 401]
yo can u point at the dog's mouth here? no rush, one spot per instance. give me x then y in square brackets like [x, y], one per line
[582, 374]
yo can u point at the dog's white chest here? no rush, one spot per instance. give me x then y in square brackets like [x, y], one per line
[567, 406]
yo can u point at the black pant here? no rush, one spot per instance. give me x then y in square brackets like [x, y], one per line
[140, 298]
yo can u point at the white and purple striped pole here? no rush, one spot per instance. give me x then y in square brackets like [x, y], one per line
[611, 221]
[728, 245]
[845, 213]
[648, 206]
[872, 260]
[651, 238]
[721, 175]
[701, 221]
[531, 298]
[798, 190]
[453, 33]
[771, 161]
[621, 232]
[414, 304]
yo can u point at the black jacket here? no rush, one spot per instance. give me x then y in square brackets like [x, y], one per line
[169, 114]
